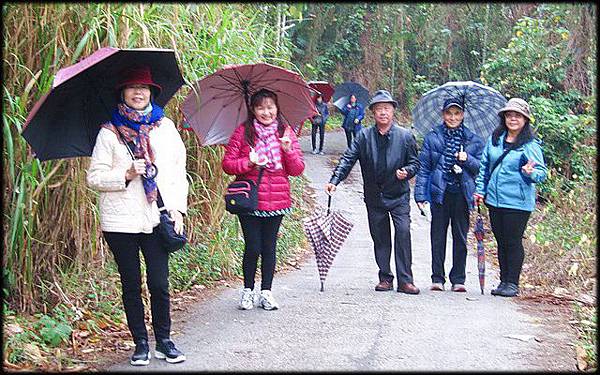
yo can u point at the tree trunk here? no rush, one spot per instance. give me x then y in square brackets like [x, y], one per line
[577, 76]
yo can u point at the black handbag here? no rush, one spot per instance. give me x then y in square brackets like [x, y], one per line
[171, 240]
[242, 195]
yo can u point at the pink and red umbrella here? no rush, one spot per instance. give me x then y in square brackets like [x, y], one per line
[324, 88]
[218, 103]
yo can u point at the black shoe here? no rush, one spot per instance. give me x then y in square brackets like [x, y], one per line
[141, 356]
[496, 291]
[165, 349]
[510, 290]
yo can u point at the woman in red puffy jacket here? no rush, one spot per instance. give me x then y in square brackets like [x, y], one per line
[263, 140]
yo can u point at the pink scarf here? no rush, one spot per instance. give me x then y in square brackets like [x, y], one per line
[268, 144]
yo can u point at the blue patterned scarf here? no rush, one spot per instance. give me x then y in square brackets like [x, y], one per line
[135, 127]
[453, 139]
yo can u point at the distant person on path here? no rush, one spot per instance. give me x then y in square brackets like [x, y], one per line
[264, 140]
[388, 160]
[446, 179]
[353, 115]
[318, 123]
[511, 164]
[129, 215]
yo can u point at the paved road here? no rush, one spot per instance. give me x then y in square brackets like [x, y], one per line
[351, 327]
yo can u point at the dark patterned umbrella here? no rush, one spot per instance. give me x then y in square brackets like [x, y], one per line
[478, 232]
[481, 104]
[326, 232]
[341, 95]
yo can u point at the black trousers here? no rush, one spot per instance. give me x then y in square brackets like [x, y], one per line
[260, 238]
[321, 129]
[349, 135]
[508, 226]
[379, 226]
[126, 250]
[454, 211]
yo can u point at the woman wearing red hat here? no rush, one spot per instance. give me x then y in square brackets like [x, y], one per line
[129, 215]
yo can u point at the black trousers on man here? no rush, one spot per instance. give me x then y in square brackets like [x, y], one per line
[508, 226]
[379, 226]
[321, 129]
[349, 135]
[126, 250]
[454, 211]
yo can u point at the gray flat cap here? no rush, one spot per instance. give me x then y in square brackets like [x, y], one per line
[382, 96]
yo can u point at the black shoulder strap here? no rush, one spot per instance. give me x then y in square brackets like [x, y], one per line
[159, 201]
[260, 174]
[499, 160]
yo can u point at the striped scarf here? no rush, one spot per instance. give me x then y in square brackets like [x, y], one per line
[453, 139]
[268, 144]
[135, 127]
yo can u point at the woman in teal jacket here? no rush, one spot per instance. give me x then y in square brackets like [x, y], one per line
[511, 164]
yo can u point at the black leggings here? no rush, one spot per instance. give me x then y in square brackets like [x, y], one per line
[260, 237]
[126, 250]
[508, 226]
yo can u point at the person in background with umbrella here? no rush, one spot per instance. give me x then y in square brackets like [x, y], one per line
[353, 113]
[263, 140]
[129, 216]
[318, 123]
[388, 160]
[511, 164]
[449, 164]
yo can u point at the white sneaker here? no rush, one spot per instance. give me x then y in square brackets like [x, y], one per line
[267, 301]
[247, 299]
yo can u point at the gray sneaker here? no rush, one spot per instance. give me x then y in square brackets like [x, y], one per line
[314, 152]
[267, 301]
[247, 299]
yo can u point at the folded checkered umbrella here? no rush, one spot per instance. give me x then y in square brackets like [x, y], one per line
[326, 232]
[481, 104]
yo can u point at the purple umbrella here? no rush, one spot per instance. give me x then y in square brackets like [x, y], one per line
[218, 103]
[64, 123]
[478, 232]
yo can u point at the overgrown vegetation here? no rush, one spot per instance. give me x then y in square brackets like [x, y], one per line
[59, 280]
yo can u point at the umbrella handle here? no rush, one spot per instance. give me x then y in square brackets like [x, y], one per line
[328, 204]
[321, 286]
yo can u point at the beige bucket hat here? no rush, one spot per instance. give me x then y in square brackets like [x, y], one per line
[517, 105]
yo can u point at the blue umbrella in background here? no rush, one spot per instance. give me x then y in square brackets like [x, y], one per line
[481, 104]
[341, 95]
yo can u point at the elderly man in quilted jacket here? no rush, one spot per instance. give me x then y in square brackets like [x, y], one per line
[388, 159]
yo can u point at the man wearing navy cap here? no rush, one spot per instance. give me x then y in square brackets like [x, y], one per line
[449, 165]
[388, 159]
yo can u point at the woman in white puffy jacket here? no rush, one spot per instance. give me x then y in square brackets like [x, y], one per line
[129, 214]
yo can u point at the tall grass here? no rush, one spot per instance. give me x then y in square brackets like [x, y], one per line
[50, 216]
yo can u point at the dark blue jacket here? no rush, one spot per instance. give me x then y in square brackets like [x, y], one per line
[430, 184]
[356, 112]
[323, 111]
